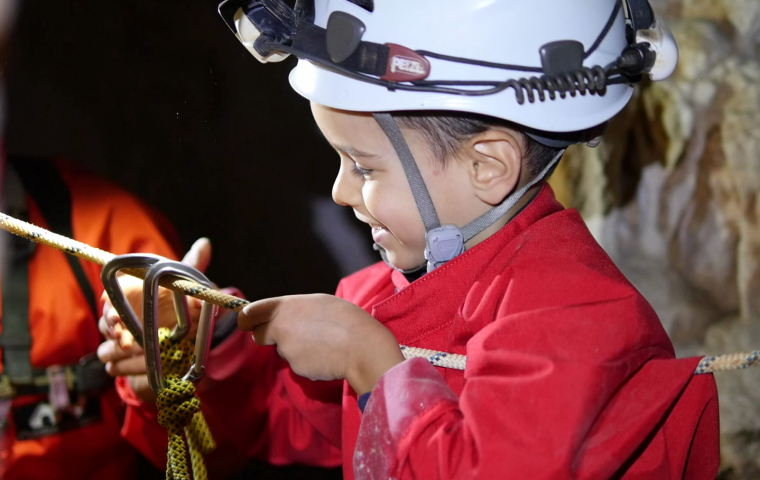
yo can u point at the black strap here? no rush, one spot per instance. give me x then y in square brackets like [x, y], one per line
[87, 377]
[16, 339]
[369, 57]
[41, 180]
[51, 194]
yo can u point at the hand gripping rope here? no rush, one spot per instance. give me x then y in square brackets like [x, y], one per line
[734, 361]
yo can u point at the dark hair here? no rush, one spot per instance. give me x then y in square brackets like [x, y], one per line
[445, 132]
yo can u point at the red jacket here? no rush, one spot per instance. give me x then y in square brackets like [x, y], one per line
[569, 374]
[63, 330]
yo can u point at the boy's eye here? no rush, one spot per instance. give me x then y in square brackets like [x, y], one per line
[361, 172]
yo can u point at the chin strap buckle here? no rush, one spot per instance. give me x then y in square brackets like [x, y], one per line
[443, 244]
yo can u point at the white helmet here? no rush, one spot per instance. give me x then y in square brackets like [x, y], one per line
[559, 69]
[478, 57]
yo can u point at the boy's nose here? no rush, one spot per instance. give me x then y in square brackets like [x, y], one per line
[346, 191]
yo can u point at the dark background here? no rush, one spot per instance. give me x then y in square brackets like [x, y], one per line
[160, 98]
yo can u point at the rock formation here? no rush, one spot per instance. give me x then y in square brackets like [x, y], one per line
[672, 195]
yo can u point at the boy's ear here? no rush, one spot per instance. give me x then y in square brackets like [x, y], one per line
[495, 165]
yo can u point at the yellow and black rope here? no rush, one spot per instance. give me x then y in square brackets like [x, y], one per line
[179, 411]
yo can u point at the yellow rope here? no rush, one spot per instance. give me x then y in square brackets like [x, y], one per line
[101, 257]
[179, 410]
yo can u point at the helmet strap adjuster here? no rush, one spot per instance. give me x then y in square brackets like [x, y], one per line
[443, 244]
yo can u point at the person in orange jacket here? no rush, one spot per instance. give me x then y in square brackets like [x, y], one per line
[72, 430]
[60, 416]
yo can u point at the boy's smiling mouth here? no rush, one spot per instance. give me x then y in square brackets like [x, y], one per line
[381, 235]
[378, 233]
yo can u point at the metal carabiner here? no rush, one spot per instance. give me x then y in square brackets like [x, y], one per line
[150, 312]
[122, 306]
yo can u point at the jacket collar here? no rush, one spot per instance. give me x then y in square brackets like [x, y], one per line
[431, 300]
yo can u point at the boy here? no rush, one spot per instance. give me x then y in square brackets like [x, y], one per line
[569, 373]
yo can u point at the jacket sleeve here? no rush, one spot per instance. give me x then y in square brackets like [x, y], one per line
[550, 394]
[256, 408]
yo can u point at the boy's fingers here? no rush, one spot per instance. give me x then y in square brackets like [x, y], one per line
[141, 387]
[199, 255]
[104, 328]
[256, 313]
[129, 366]
[126, 341]
[112, 317]
[105, 301]
[111, 351]
[261, 334]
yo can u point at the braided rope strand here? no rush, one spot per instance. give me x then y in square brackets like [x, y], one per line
[200, 442]
[439, 359]
[179, 411]
[176, 404]
[101, 257]
[729, 361]
[710, 364]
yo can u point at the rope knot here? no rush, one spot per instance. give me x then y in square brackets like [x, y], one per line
[177, 404]
[179, 411]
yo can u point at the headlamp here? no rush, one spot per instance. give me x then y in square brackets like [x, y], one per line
[258, 28]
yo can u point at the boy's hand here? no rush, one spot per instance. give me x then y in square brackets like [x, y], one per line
[324, 338]
[124, 357]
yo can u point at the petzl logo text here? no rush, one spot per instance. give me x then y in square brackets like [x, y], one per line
[407, 65]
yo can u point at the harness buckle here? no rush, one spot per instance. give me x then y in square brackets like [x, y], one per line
[91, 375]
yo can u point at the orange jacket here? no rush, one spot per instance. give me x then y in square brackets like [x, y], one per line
[63, 330]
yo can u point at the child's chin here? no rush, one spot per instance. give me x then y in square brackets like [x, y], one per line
[404, 262]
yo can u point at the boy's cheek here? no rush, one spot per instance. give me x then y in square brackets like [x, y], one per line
[392, 210]
[396, 210]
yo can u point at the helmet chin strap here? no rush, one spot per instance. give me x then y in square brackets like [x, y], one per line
[444, 242]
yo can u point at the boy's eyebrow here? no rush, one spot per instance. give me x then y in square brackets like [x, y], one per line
[352, 152]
